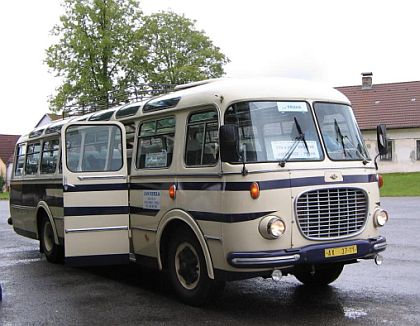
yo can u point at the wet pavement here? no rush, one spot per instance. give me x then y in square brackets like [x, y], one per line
[39, 293]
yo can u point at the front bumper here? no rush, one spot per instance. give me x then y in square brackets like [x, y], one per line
[312, 254]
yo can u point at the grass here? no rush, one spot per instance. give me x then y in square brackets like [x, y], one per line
[401, 184]
[4, 196]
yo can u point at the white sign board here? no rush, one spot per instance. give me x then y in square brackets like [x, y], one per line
[292, 107]
[151, 199]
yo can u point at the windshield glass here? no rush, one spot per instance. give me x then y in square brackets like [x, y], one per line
[272, 131]
[341, 135]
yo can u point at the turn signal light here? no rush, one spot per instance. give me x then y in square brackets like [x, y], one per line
[254, 190]
[172, 191]
[380, 181]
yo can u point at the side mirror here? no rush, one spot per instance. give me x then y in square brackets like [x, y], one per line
[229, 143]
[382, 139]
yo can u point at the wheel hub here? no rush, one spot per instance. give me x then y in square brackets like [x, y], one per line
[187, 266]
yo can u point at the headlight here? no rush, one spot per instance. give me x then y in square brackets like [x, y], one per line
[380, 217]
[272, 227]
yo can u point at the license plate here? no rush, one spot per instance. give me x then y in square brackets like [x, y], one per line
[340, 251]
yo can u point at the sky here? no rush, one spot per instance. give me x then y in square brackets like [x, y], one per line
[331, 42]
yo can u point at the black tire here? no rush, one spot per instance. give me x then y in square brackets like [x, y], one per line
[53, 252]
[320, 275]
[187, 270]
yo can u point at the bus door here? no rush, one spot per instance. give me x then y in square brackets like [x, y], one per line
[95, 191]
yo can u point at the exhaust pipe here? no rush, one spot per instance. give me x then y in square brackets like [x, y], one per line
[9, 221]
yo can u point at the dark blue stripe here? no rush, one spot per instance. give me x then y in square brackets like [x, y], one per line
[98, 210]
[143, 211]
[215, 186]
[115, 259]
[151, 186]
[98, 187]
[227, 218]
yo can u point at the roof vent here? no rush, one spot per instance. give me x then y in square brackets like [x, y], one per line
[367, 80]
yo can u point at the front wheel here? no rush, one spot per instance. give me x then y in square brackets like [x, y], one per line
[53, 252]
[188, 272]
[320, 275]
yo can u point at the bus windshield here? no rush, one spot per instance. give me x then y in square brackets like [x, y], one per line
[342, 138]
[273, 131]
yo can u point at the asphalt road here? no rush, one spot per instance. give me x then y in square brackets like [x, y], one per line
[38, 293]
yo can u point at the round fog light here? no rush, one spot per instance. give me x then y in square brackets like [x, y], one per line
[380, 217]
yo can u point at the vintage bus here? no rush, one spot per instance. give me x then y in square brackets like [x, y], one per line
[218, 180]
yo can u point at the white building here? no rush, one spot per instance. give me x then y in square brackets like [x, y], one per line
[397, 105]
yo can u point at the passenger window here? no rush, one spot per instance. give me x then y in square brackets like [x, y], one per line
[94, 148]
[20, 159]
[32, 159]
[156, 144]
[202, 139]
[49, 157]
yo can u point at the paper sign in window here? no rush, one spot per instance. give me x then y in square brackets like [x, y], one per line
[280, 149]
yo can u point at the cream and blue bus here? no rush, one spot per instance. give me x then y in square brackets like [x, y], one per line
[218, 180]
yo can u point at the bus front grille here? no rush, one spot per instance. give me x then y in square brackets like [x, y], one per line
[331, 213]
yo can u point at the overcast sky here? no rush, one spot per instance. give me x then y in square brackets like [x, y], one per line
[327, 41]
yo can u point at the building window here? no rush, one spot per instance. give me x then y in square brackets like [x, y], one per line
[388, 156]
[418, 149]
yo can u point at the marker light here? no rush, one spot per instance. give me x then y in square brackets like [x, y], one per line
[254, 190]
[380, 181]
[172, 191]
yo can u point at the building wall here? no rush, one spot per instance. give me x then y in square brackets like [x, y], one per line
[2, 168]
[404, 151]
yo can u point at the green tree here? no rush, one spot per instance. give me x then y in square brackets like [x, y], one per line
[98, 52]
[177, 52]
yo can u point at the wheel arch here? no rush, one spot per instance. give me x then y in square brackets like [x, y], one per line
[43, 210]
[178, 218]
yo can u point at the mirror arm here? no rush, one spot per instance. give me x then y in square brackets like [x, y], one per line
[376, 163]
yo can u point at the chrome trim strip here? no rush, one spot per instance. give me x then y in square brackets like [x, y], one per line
[245, 261]
[96, 177]
[107, 228]
[22, 207]
[380, 246]
[58, 217]
[211, 237]
[143, 228]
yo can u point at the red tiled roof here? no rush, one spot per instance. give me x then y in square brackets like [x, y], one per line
[395, 104]
[7, 146]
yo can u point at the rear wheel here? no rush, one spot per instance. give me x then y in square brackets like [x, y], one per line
[188, 272]
[320, 275]
[53, 252]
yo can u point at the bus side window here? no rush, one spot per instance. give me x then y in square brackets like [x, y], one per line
[20, 159]
[202, 139]
[156, 143]
[32, 159]
[49, 156]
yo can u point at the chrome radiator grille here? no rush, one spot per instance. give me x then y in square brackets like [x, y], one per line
[331, 213]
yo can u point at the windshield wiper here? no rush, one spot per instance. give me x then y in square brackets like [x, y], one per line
[298, 139]
[340, 137]
[363, 156]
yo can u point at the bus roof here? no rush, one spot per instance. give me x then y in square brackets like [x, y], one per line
[222, 90]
